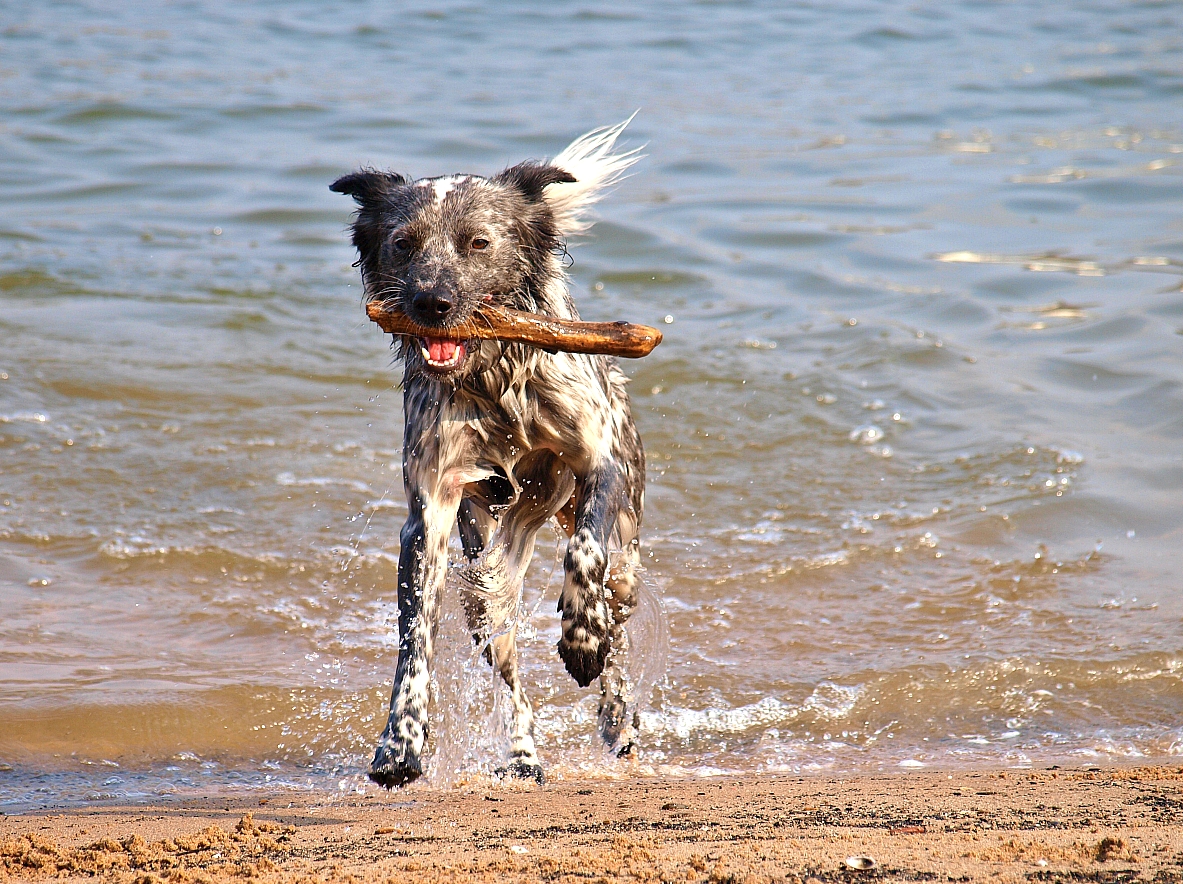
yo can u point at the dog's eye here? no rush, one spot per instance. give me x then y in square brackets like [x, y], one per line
[402, 244]
[480, 244]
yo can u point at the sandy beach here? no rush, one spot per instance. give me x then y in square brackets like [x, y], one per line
[1075, 824]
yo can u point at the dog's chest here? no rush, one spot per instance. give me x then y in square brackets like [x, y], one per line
[468, 434]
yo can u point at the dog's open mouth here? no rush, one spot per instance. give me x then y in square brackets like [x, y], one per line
[442, 354]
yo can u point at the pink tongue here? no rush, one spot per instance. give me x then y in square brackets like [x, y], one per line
[441, 350]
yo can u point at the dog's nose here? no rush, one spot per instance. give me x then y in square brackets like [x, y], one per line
[433, 304]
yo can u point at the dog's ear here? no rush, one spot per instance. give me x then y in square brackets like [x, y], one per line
[367, 186]
[532, 178]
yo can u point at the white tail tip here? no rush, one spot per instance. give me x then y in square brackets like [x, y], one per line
[590, 159]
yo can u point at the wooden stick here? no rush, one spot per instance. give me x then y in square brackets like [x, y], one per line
[502, 324]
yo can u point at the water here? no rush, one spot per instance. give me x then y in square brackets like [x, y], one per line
[914, 433]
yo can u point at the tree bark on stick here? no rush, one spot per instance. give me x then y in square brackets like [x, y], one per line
[515, 326]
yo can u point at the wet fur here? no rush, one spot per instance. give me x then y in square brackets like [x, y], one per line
[506, 439]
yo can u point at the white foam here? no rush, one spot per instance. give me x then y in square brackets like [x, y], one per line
[384, 503]
[322, 482]
[828, 701]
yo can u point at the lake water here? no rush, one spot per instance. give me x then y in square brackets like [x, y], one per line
[915, 432]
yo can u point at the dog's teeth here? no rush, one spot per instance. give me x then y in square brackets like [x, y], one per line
[427, 345]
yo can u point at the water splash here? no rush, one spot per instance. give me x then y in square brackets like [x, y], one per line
[648, 647]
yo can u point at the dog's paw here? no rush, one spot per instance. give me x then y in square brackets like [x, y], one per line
[522, 770]
[618, 728]
[584, 658]
[390, 771]
[612, 720]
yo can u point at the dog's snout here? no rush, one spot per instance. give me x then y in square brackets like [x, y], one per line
[434, 304]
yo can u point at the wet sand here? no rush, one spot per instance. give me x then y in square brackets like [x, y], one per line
[1106, 825]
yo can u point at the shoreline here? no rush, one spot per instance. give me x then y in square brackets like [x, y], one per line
[1110, 824]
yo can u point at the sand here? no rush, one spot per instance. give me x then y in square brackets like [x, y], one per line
[1112, 825]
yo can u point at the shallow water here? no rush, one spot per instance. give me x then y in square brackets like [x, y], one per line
[914, 434]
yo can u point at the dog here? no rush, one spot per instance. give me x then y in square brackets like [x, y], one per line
[501, 437]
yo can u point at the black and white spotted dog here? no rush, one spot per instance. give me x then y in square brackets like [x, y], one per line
[499, 437]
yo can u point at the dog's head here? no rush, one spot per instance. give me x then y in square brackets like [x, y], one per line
[441, 247]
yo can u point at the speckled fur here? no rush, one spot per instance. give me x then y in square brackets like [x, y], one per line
[506, 439]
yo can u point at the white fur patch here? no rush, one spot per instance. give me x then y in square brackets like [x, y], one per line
[441, 187]
[590, 159]
[584, 553]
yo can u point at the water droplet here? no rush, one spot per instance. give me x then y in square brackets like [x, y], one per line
[867, 434]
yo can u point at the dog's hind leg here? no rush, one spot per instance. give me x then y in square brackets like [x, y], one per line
[476, 530]
[491, 586]
[523, 757]
[476, 527]
[617, 722]
[501, 651]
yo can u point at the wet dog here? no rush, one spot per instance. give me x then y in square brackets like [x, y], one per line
[499, 438]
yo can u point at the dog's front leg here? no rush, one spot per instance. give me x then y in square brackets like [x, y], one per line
[585, 642]
[422, 566]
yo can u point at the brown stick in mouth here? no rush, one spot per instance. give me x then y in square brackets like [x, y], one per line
[491, 323]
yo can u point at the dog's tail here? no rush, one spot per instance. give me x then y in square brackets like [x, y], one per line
[590, 159]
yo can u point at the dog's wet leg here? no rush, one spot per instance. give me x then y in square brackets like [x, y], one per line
[614, 727]
[617, 722]
[523, 757]
[422, 564]
[501, 651]
[619, 718]
[586, 620]
[492, 587]
[476, 527]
